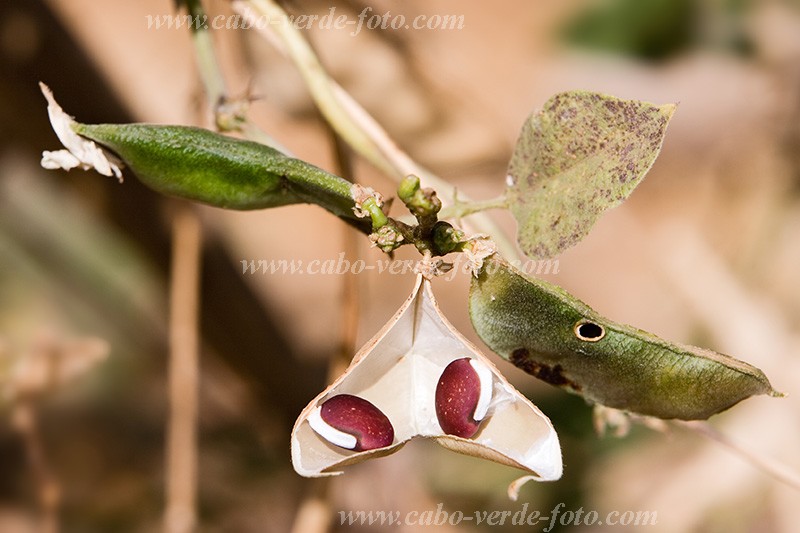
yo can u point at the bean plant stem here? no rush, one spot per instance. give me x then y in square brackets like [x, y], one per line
[181, 514]
[216, 88]
[461, 209]
[314, 514]
[347, 117]
[292, 43]
[207, 64]
[775, 469]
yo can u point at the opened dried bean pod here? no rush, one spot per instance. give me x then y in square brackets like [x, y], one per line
[398, 371]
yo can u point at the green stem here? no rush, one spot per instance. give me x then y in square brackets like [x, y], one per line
[461, 209]
[214, 84]
[210, 71]
[379, 219]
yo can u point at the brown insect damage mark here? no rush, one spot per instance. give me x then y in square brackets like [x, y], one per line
[554, 375]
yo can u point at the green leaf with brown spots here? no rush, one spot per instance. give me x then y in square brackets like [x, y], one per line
[582, 154]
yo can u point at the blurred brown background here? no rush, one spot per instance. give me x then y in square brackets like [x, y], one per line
[706, 251]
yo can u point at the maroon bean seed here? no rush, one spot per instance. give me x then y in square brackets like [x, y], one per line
[353, 423]
[458, 394]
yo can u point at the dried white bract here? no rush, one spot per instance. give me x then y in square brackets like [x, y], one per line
[79, 152]
[481, 247]
[360, 195]
[415, 376]
[429, 268]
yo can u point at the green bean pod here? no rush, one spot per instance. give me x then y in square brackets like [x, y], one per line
[552, 335]
[219, 170]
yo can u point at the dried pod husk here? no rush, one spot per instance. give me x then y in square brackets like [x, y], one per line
[398, 371]
[552, 335]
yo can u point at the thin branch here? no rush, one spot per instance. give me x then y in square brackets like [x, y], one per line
[314, 514]
[181, 513]
[772, 468]
[292, 43]
[207, 64]
[461, 209]
[229, 114]
[347, 117]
